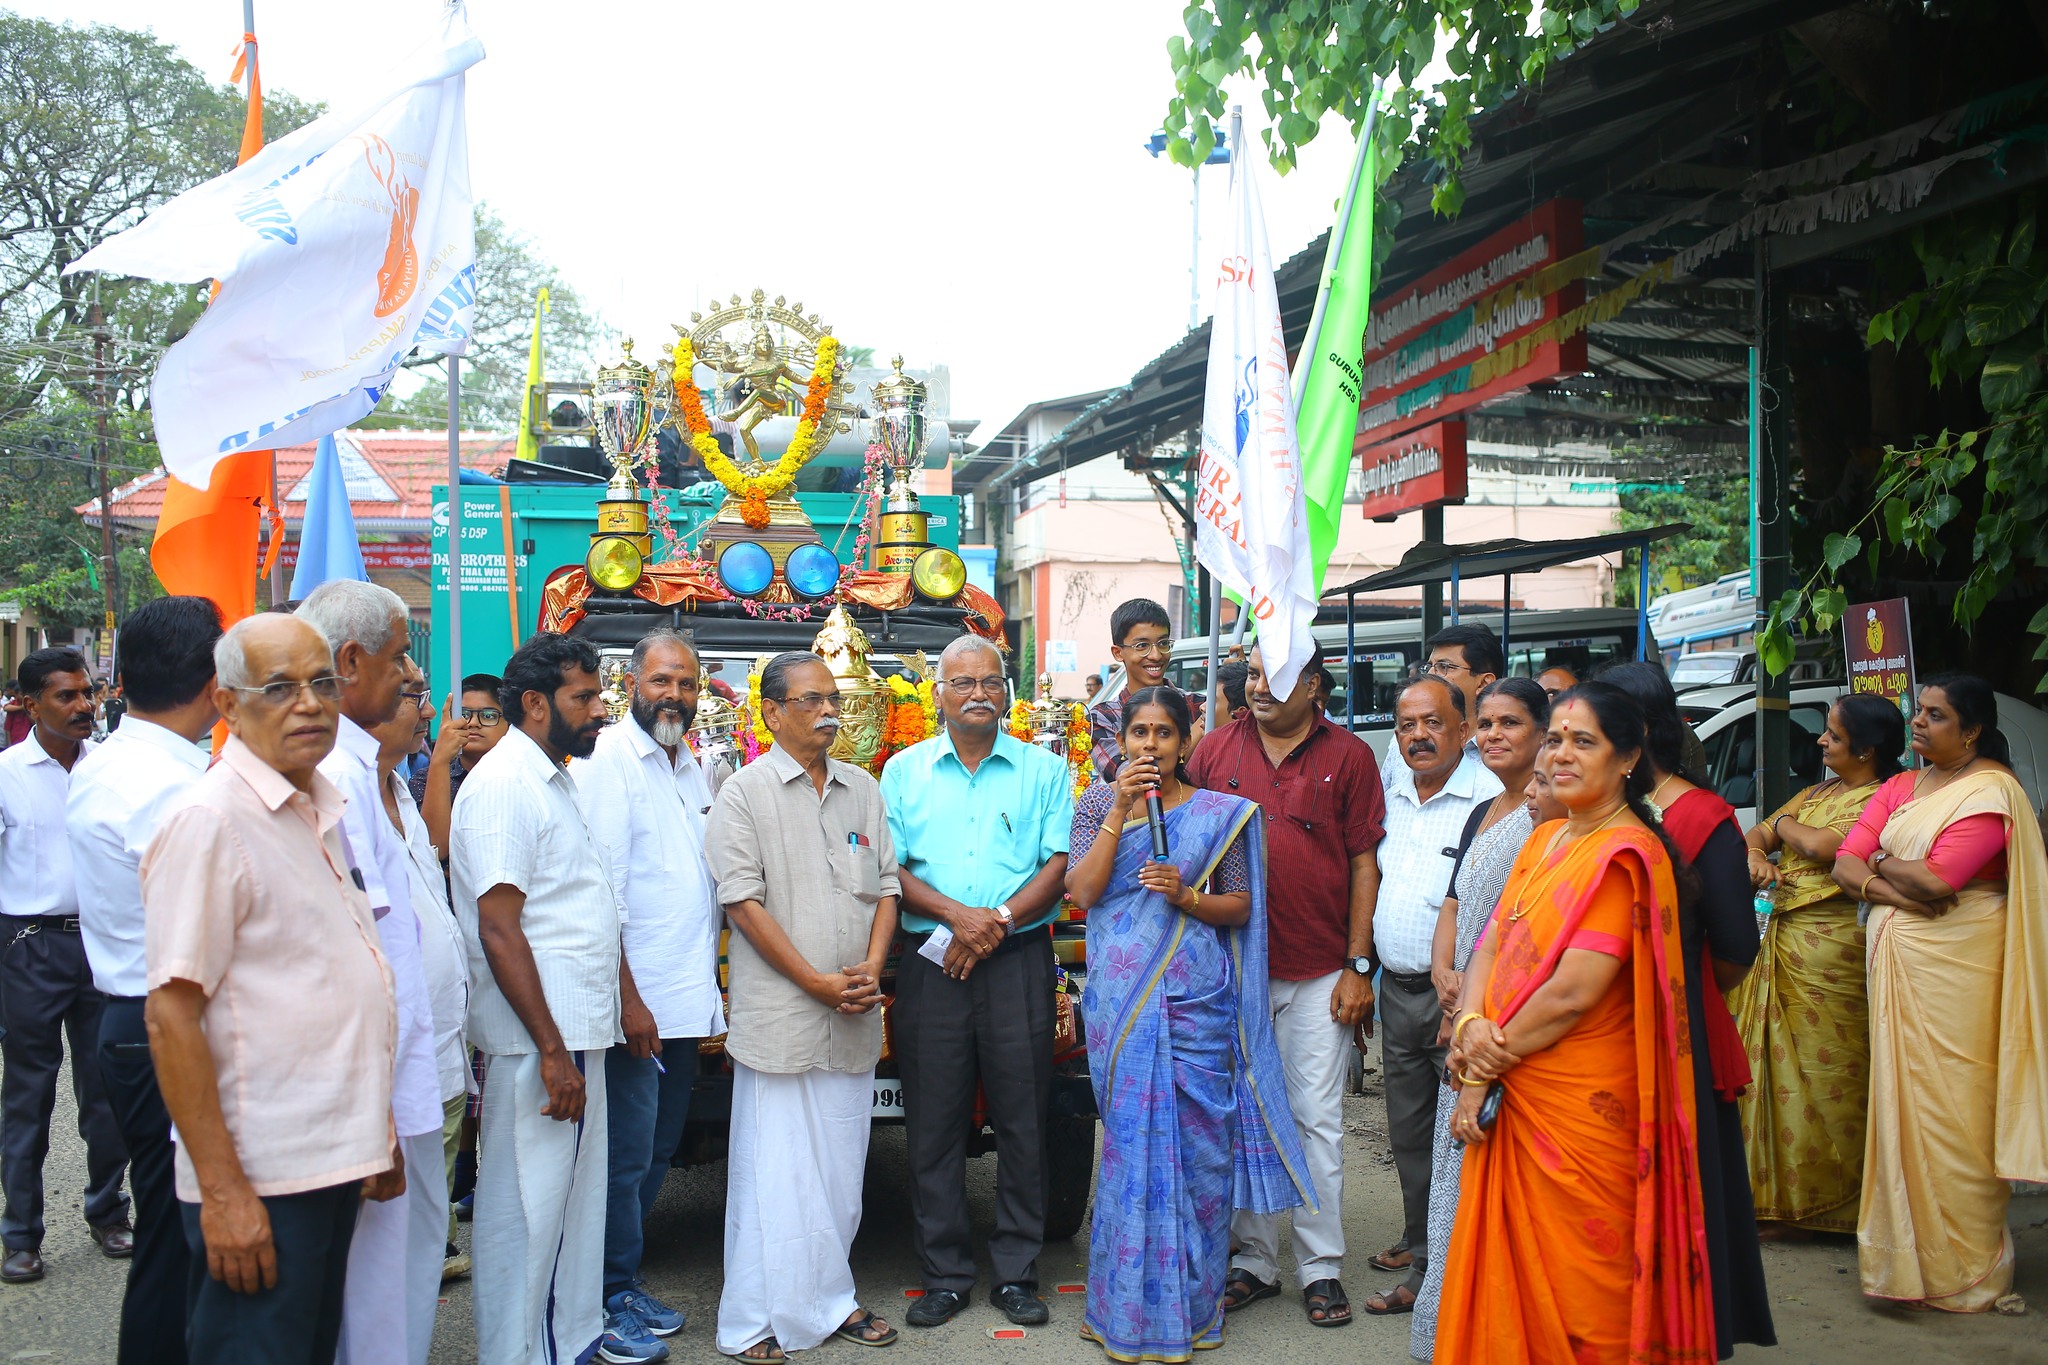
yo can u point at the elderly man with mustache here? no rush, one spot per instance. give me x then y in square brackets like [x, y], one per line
[807, 875]
[981, 821]
[646, 800]
[550, 993]
[1440, 782]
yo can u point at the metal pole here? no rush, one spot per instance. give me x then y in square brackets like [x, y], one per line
[1195, 255]
[454, 680]
[1351, 660]
[1643, 603]
[1314, 335]
[1507, 615]
[1432, 593]
[110, 569]
[1454, 592]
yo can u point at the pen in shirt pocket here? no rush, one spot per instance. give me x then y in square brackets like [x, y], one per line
[1006, 825]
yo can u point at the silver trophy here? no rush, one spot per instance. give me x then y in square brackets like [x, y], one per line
[902, 430]
[714, 734]
[622, 410]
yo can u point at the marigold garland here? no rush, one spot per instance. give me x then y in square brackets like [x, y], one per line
[755, 490]
[1020, 720]
[756, 728]
[1080, 748]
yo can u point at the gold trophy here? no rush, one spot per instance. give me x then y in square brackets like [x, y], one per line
[863, 699]
[903, 430]
[622, 410]
[1049, 717]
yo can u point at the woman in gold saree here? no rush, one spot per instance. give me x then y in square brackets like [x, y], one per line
[1950, 860]
[1580, 1234]
[1803, 1010]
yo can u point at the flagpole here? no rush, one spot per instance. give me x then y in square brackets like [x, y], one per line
[1215, 593]
[1315, 321]
[454, 680]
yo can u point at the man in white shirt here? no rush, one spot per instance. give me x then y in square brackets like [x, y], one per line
[1436, 787]
[1469, 658]
[394, 1263]
[120, 795]
[549, 993]
[46, 988]
[646, 799]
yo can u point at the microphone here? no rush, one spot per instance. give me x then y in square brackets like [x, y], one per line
[1155, 817]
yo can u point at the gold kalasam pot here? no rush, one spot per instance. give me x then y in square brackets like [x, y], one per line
[863, 715]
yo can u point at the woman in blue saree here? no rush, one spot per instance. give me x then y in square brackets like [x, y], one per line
[1195, 1121]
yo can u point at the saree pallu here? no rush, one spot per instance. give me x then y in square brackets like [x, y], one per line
[1187, 1076]
[1580, 1235]
[1804, 1014]
[1958, 1062]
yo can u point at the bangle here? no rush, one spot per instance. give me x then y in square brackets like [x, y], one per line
[1863, 891]
[1195, 906]
[1467, 1080]
[1458, 1024]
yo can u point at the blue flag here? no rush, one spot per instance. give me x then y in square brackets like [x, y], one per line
[328, 547]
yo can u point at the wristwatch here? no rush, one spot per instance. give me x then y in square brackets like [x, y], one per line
[1364, 966]
[1877, 860]
[1003, 914]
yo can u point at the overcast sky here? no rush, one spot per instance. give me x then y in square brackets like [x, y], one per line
[962, 182]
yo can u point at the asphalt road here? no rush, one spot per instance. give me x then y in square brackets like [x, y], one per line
[72, 1315]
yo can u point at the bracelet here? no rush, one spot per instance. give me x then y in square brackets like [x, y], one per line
[1863, 891]
[1467, 1080]
[1196, 907]
[1458, 1024]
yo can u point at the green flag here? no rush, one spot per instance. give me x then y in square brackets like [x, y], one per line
[1326, 417]
[529, 439]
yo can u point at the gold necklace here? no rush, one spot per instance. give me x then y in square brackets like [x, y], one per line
[1521, 907]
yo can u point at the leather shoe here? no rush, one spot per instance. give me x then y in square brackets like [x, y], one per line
[22, 1266]
[936, 1308]
[117, 1240]
[1020, 1305]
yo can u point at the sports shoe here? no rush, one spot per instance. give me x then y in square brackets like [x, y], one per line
[465, 1207]
[656, 1316]
[626, 1340]
[455, 1264]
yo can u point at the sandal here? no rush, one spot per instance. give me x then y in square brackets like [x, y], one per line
[1243, 1287]
[766, 1351]
[856, 1330]
[1385, 1260]
[1391, 1301]
[1327, 1298]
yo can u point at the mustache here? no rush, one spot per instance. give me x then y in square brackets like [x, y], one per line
[827, 723]
[1421, 746]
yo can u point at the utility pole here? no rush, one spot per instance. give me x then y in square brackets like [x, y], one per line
[110, 566]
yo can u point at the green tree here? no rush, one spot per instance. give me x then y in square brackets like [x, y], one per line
[1716, 505]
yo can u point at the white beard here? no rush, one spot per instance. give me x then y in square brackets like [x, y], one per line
[667, 731]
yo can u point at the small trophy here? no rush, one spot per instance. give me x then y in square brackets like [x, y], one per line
[714, 733]
[902, 430]
[1049, 718]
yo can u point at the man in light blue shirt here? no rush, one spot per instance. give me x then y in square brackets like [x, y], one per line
[980, 820]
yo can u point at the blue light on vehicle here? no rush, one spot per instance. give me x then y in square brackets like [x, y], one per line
[745, 568]
[811, 570]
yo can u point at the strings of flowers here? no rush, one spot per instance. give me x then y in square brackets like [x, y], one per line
[755, 490]
[755, 739]
[912, 718]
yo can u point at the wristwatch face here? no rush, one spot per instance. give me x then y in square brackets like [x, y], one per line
[1362, 965]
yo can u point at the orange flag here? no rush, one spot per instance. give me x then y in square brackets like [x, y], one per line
[206, 537]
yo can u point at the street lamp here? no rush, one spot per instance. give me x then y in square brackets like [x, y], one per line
[1219, 155]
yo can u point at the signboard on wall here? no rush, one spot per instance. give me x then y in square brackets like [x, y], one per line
[1417, 469]
[1421, 341]
[1877, 645]
[415, 555]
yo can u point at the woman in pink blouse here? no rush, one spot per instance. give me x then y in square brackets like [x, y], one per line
[1949, 860]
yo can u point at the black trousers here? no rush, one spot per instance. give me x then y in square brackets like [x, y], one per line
[297, 1321]
[996, 1026]
[46, 994]
[1414, 1066]
[153, 1309]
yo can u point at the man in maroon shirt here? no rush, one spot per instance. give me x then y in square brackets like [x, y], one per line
[1318, 788]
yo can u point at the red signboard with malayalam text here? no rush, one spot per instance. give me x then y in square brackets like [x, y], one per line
[1877, 641]
[415, 555]
[1421, 342]
[1417, 469]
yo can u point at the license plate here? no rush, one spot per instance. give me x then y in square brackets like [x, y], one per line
[888, 1102]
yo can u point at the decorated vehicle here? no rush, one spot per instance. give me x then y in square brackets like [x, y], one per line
[747, 567]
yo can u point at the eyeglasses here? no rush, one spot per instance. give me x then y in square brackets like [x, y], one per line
[416, 695]
[281, 694]
[967, 687]
[1443, 668]
[484, 715]
[809, 701]
[1151, 648]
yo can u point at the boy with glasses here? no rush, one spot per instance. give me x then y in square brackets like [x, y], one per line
[1141, 639]
[469, 730]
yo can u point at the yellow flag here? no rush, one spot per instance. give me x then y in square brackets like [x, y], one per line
[529, 440]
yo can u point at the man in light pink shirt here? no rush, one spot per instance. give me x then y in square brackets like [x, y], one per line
[271, 1014]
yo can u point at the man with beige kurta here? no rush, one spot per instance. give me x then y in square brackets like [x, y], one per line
[807, 874]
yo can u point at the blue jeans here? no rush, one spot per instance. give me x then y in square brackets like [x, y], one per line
[646, 1110]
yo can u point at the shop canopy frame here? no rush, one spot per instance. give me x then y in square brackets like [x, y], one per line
[1434, 562]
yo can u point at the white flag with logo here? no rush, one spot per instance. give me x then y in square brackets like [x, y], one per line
[1251, 527]
[339, 248]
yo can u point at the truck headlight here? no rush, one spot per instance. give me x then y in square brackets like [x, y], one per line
[939, 574]
[614, 563]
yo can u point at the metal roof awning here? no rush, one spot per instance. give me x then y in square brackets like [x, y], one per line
[1433, 562]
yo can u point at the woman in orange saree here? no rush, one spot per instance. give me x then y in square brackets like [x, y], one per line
[1580, 1237]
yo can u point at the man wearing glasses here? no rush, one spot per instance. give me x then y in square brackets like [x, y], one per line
[1468, 658]
[981, 821]
[1141, 639]
[468, 732]
[394, 1267]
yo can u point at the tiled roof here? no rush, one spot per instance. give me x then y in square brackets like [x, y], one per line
[402, 464]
